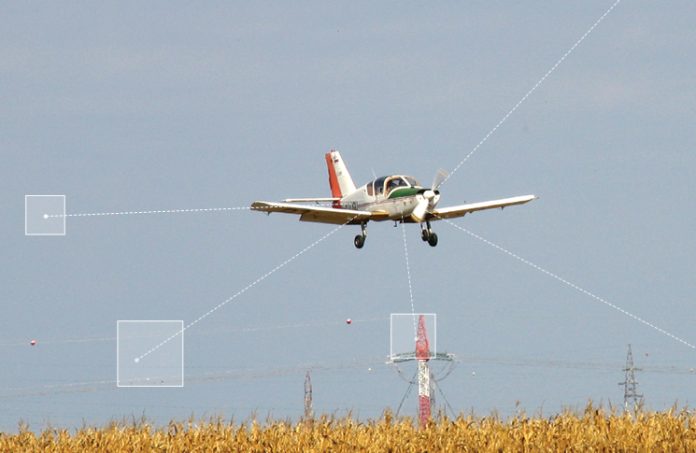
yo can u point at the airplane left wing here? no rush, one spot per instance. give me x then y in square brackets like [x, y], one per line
[319, 214]
[461, 210]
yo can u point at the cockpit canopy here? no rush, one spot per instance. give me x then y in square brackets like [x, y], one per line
[385, 184]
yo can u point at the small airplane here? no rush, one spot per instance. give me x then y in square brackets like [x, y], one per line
[398, 198]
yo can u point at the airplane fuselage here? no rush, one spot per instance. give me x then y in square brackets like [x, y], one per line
[397, 196]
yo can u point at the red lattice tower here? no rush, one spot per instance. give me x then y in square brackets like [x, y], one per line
[423, 356]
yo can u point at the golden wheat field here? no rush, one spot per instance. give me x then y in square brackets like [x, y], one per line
[592, 430]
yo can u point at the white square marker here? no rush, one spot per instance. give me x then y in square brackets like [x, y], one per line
[403, 333]
[44, 215]
[150, 353]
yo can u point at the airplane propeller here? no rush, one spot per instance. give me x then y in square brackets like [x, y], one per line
[429, 197]
[440, 177]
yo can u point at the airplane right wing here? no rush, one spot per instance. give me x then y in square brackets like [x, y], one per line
[461, 210]
[336, 216]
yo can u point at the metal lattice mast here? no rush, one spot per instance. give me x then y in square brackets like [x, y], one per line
[308, 410]
[632, 398]
[423, 356]
[422, 377]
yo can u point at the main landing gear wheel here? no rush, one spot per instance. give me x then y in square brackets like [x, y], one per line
[359, 240]
[429, 236]
[432, 239]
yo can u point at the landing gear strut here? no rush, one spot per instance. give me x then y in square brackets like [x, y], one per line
[359, 240]
[428, 235]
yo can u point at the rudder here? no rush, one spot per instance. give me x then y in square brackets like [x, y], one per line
[339, 179]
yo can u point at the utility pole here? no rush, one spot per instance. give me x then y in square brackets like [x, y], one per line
[308, 411]
[632, 399]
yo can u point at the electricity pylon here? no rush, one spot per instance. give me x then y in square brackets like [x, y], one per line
[632, 399]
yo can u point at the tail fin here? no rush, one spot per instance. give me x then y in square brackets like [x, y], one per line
[339, 179]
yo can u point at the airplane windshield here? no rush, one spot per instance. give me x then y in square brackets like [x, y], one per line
[396, 181]
[390, 183]
[412, 181]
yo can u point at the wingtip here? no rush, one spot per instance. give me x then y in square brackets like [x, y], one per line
[259, 205]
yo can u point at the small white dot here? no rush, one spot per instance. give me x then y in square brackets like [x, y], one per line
[136, 360]
[45, 216]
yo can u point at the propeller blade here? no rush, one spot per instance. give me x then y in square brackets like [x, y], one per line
[418, 213]
[440, 176]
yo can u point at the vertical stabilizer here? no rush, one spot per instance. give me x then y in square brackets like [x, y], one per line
[339, 179]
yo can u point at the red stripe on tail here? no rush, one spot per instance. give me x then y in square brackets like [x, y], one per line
[333, 181]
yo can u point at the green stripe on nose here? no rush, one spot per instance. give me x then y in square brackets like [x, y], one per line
[400, 192]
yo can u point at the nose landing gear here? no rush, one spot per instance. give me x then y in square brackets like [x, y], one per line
[428, 235]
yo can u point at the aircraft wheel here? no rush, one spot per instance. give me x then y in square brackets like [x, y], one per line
[425, 235]
[359, 241]
[432, 239]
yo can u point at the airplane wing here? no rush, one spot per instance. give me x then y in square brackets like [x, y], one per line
[311, 200]
[461, 210]
[319, 214]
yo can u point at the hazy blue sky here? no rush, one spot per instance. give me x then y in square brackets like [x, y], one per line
[170, 105]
